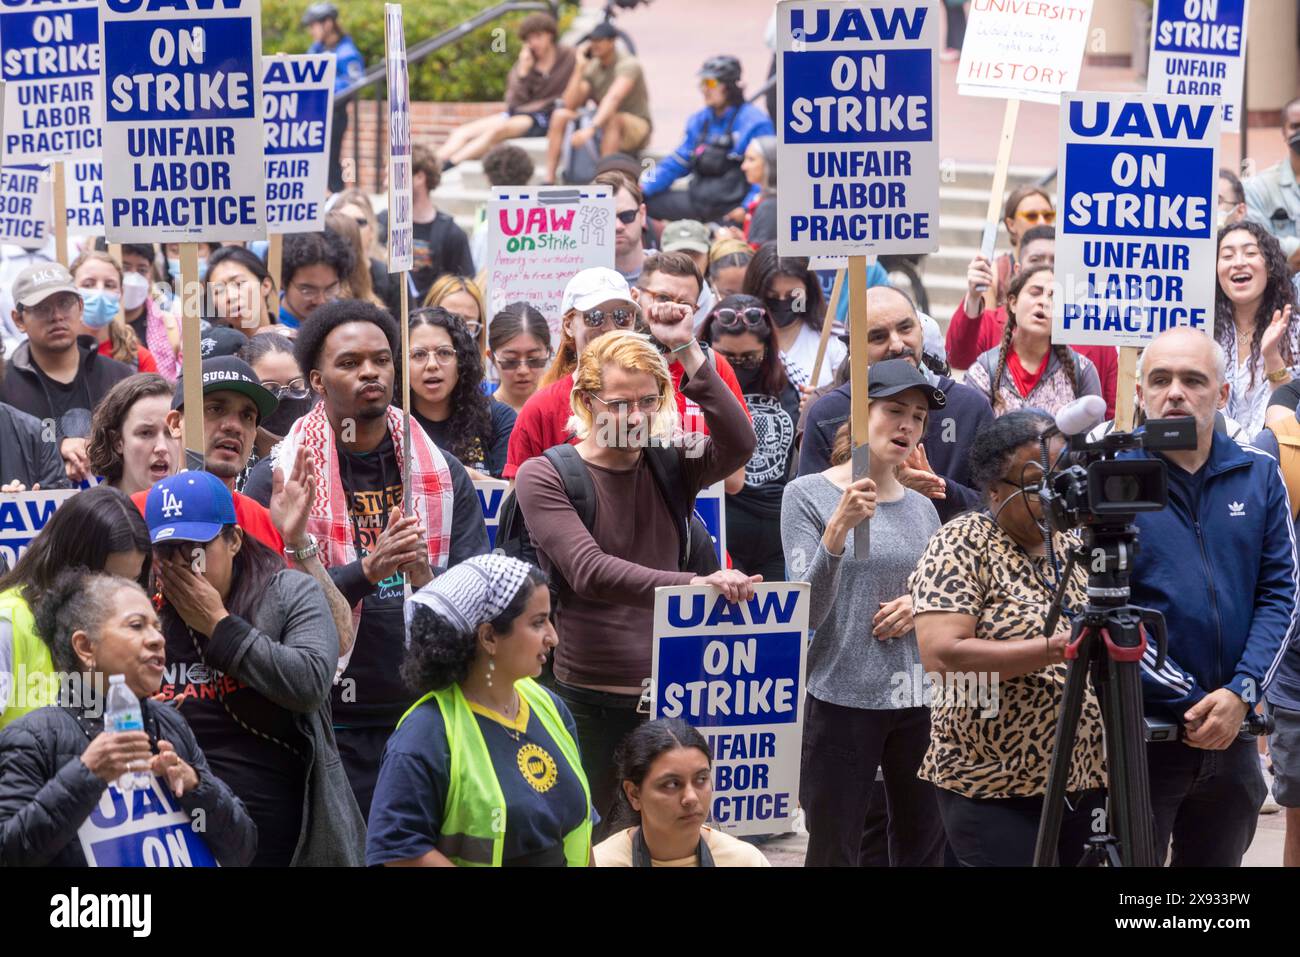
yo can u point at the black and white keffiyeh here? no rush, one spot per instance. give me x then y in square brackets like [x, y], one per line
[477, 590]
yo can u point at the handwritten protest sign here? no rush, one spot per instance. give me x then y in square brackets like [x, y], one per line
[859, 153]
[184, 121]
[1198, 48]
[1023, 49]
[1135, 246]
[736, 672]
[26, 206]
[53, 98]
[297, 114]
[538, 237]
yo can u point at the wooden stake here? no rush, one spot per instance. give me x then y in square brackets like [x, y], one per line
[837, 291]
[115, 251]
[994, 213]
[1125, 398]
[408, 497]
[858, 377]
[60, 216]
[191, 293]
[274, 264]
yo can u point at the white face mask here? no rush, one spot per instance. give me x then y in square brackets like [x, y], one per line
[135, 290]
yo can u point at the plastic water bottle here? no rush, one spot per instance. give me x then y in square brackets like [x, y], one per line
[123, 714]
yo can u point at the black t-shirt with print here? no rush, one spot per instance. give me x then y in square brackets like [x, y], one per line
[544, 798]
[768, 469]
[440, 246]
[265, 775]
[491, 460]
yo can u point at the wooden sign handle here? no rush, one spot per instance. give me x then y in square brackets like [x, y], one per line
[191, 293]
[1125, 389]
[60, 214]
[858, 389]
[833, 310]
[993, 215]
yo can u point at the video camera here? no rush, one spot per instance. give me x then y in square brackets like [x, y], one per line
[1098, 489]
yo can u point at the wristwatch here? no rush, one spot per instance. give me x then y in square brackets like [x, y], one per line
[302, 554]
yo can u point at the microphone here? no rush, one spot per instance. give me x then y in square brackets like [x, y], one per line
[1079, 417]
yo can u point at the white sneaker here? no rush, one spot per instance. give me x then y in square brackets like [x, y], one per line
[1270, 806]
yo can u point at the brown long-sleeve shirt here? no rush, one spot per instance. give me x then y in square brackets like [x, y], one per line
[613, 570]
[534, 92]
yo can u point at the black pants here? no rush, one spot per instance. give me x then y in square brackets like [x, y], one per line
[603, 720]
[337, 132]
[1207, 801]
[754, 544]
[1002, 832]
[362, 749]
[842, 747]
[675, 204]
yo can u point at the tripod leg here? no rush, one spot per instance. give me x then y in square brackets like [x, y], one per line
[1067, 726]
[1129, 789]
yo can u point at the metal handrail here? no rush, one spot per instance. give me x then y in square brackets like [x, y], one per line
[416, 54]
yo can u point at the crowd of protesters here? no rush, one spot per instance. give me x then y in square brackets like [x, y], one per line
[336, 668]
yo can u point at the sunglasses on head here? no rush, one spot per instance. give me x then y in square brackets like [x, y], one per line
[751, 318]
[628, 216]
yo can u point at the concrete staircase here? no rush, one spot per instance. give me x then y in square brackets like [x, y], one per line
[963, 199]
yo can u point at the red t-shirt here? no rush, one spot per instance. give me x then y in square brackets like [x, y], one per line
[1025, 379]
[145, 362]
[542, 420]
[253, 517]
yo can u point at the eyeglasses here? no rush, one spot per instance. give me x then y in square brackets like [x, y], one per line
[628, 216]
[62, 302]
[734, 320]
[313, 293]
[294, 389]
[744, 360]
[443, 355]
[533, 362]
[622, 318]
[649, 404]
[1034, 216]
[664, 297]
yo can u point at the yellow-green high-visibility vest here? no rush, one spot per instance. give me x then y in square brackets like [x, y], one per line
[34, 682]
[474, 818]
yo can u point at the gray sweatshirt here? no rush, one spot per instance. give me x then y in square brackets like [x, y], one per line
[847, 666]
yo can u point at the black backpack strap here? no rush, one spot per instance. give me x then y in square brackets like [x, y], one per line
[666, 467]
[576, 480]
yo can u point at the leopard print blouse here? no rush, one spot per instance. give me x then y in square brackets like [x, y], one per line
[999, 743]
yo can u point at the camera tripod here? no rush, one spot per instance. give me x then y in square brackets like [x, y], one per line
[1107, 641]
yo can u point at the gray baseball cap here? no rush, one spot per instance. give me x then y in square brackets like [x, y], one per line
[38, 282]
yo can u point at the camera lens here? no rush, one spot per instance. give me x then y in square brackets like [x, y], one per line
[1122, 488]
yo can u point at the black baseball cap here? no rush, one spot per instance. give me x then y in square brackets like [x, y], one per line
[893, 376]
[231, 374]
[602, 31]
[219, 340]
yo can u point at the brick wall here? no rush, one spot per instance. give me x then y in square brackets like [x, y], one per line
[431, 124]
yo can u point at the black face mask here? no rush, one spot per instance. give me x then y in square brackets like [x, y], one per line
[782, 312]
[1294, 142]
[750, 380]
[286, 414]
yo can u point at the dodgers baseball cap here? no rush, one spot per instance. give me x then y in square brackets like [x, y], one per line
[230, 374]
[589, 288]
[685, 235]
[188, 507]
[893, 376]
[38, 282]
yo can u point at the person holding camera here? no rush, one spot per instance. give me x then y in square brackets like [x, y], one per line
[1218, 561]
[980, 599]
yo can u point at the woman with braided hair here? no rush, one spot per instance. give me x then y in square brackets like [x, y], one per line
[484, 768]
[1026, 370]
[1253, 320]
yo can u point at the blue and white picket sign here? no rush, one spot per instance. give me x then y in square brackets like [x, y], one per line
[53, 102]
[857, 100]
[736, 672]
[26, 206]
[183, 121]
[297, 114]
[491, 494]
[711, 507]
[1198, 48]
[401, 221]
[1135, 241]
[83, 189]
[22, 517]
[144, 827]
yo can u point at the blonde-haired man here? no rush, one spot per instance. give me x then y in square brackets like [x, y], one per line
[624, 408]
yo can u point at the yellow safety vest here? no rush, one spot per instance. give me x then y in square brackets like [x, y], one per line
[35, 683]
[1288, 448]
[474, 818]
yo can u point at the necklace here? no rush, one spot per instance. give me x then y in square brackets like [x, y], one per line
[511, 718]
